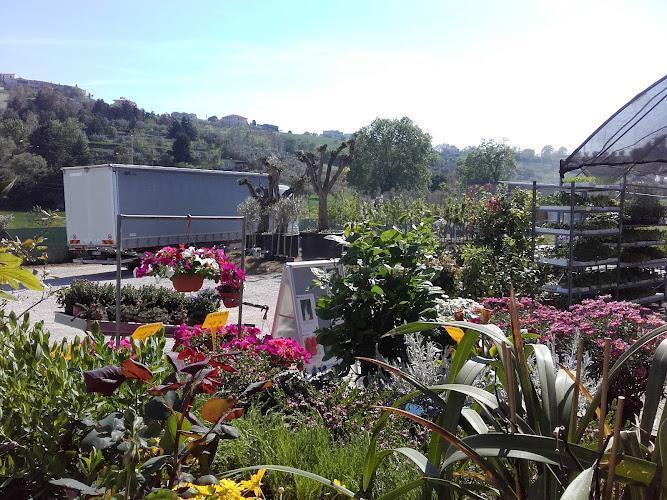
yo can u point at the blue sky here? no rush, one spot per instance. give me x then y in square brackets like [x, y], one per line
[530, 71]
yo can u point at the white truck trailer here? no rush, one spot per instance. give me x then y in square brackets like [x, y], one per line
[95, 194]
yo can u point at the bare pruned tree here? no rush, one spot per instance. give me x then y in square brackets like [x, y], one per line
[323, 180]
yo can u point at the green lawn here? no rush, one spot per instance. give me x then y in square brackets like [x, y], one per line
[29, 219]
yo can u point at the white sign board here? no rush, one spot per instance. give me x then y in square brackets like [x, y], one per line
[295, 316]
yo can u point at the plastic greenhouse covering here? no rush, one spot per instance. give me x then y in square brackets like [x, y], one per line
[632, 141]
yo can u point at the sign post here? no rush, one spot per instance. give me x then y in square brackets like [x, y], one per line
[295, 316]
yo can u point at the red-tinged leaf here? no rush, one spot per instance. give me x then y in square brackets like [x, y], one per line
[187, 361]
[195, 368]
[234, 414]
[160, 390]
[222, 366]
[134, 370]
[214, 408]
[257, 387]
[209, 387]
[103, 380]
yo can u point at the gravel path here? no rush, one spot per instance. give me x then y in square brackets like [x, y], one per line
[260, 289]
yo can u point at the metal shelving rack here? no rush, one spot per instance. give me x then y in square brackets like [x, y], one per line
[571, 234]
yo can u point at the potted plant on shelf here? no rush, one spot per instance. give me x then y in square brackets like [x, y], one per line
[231, 282]
[186, 267]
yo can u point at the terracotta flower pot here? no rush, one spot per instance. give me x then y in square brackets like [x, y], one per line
[187, 282]
[231, 299]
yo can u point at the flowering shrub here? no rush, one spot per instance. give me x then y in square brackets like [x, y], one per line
[251, 355]
[282, 352]
[593, 320]
[499, 256]
[458, 309]
[181, 260]
[345, 410]
[231, 277]
[225, 489]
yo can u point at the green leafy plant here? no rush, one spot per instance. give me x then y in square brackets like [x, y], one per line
[580, 179]
[147, 303]
[562, 198]
[499, 254]
[387, 281]
[12, 274]
[43, 400]
[645, 210]
[522, 435]
[165, 437]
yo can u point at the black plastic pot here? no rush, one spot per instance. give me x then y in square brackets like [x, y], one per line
[315, 246]
[277, 245]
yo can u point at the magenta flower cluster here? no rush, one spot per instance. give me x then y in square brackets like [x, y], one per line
[281, 351]
[211, 263]
[594, 320]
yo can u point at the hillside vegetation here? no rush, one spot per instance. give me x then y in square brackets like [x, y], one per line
[46, 128]
[43, 130]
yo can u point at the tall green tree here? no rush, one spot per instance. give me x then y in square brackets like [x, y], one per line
[488, 163]
[60, 143]
[180, 149]
[392, 155]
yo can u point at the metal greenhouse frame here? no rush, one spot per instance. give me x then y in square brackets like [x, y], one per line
[628, 155]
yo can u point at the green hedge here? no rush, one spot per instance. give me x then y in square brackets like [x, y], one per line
[56, 241]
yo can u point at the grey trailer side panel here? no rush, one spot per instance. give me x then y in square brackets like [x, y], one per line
[158, 191]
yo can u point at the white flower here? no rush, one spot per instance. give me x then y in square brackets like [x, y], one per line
[189, 252]
[447, 307]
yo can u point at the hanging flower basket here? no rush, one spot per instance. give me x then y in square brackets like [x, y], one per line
[187, 282]
[231, 299]
[187, 267]
[231, 283]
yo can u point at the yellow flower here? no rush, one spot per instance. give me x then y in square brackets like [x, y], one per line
[254, 484]
[225, 490]
[338, 483]
[228, 490]
[455, 332]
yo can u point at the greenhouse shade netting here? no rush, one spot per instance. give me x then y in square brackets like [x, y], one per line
[633, 141]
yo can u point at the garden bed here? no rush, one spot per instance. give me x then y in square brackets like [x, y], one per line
[90, 301]
[106, 327]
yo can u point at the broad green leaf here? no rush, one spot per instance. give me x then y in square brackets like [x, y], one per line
[547, 374]
[73, 484]
[480, 395]
[580, 487]
[455, 442]
[564, 395]
[169, 437]
[475, 421]
[654, 390]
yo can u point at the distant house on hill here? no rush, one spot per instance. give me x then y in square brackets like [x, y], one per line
[11, 81]
[123, 100]
[7, 79]
[334, 134]
[269, 127]
[234, 121]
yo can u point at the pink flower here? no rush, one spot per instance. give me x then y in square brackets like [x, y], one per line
[124, 344]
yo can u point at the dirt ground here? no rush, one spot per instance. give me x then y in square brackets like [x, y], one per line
[260, 289]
